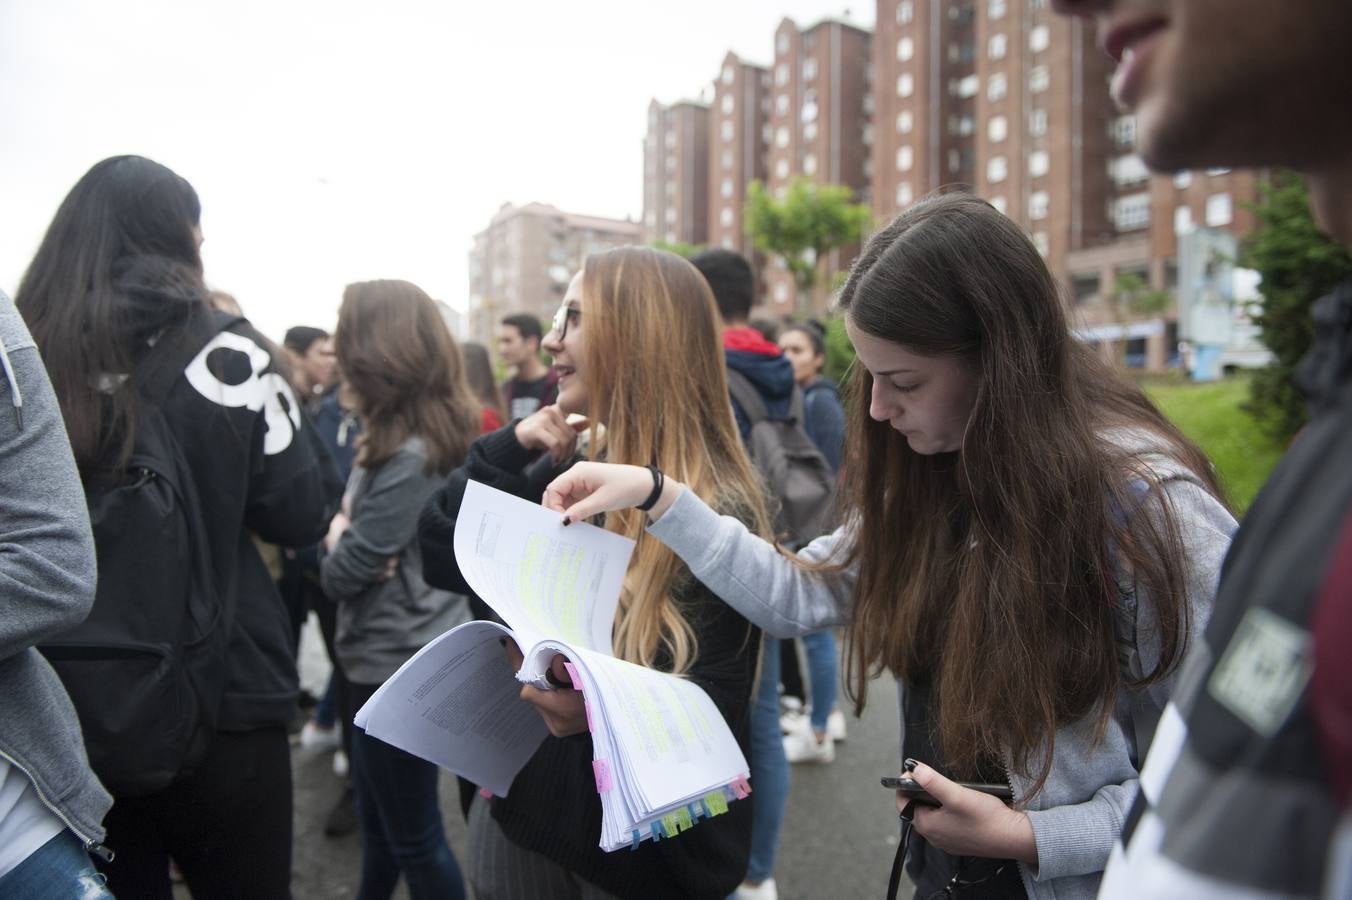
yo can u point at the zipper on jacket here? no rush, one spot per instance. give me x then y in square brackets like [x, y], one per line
[1013, 800]
[90, 845]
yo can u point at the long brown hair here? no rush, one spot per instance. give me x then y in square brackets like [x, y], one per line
[402, 369]
[990, 574]
[655, 378]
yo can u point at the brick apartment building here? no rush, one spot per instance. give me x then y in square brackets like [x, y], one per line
[676, 173]
[523, 260]
[739, 136]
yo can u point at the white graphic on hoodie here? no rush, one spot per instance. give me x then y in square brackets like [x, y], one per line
[231, 371]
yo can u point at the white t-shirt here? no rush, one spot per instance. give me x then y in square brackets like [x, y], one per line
[25, 822]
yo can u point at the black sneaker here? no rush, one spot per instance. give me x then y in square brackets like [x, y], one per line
[343, 817]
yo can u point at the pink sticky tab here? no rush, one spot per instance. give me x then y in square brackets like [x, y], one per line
[486, 793]
[602, 770]
[591, 726]
[746, 785]
[572, 676]
[738, 790]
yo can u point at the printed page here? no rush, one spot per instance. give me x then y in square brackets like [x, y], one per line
[457, 703]
[545, 580]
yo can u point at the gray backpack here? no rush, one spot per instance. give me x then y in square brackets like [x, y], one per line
[798, 480]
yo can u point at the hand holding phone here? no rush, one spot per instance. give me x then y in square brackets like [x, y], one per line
[917, 794]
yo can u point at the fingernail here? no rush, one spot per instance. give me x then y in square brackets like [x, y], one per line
[906, 814]
[910, 764]
[567, 520]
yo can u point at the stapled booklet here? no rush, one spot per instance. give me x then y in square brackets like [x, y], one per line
[663, 756]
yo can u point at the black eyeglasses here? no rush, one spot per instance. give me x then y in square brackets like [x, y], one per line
[565, 316]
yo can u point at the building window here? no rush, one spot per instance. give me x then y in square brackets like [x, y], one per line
[1127, 170]
[781, 292]
[1037, 122]
[810, 164]
[810, 131]
[905, 49]
[997, 167]
[670, 215]
[969, 86]
[1041, 242]
[997, 129]
[868, 136]
[1218, 210]
[725, 218]
[782, 43]
[726, 129]
[781, 137]
[1131, 212]
[727, 159]
[1038, 201]
[669, 139]
[1039, 79]
[995, 47]
[1124, 130]
[1215, 172]
[729, 103]
[1001, 205]
[726, 243]
[905, 122]
[1039, 161]
[954, 160]
[868, 168]
[905, 12]
[726, 188]
[782, 169]
[809, 113]
[1038, 38]
[995, 9]
[868, 104]
[905, 158]
[904, 194]
[671, 163]
[781, 74]
[996, 87]
[809, 69]
[767, 134]
[905, 84]
[1182, 220]
[782, 104]
[1182, 179]
[729, 75]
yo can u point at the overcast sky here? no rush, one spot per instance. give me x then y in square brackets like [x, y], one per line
[335, 141]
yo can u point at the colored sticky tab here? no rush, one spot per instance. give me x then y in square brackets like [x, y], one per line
[716, 803]
[683, 820]
[591, 726]
[572, 676]
[486, 793]
[670, 823]
[737, 789]
[637, 839]
[656, 830]
[695, 811]
[601, 769]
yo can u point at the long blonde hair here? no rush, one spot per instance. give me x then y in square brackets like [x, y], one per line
[655, 378]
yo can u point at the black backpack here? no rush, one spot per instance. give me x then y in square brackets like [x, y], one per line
[146, 670]
[797, 476]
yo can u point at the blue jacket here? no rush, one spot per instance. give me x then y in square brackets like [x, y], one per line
[772, 376]
[824, 419]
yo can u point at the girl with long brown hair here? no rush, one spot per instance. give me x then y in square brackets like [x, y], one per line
[402, 374]
[637, 351]
[1028, 547]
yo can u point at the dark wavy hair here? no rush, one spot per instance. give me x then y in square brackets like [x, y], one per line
[989, 574]
[117, 269]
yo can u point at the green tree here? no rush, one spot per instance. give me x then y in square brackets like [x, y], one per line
[679, 248]
[1298, 265]
[1132, 297]
[804, 226]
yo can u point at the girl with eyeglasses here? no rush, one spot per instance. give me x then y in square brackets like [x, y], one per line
[636, 348]
[1028, 546]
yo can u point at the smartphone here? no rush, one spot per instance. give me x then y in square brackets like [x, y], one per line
[912, 789]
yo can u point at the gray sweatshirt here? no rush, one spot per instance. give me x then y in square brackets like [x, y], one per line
[1080, 811]
[382, 623]
[46, 585]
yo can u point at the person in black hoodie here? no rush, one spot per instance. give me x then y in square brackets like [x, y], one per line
[635, 345]
[118, 280]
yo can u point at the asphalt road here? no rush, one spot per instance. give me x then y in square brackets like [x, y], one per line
[838, 840]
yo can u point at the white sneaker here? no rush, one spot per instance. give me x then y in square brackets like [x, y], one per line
[312, 737]
[340, 764]
[764, 891]
[835, 725]
[791, 715]
[803, 746]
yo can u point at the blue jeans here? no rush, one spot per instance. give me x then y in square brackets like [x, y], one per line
[401, 828]
[821, 672]
[58, 870]
[326, 710]
[769, 768]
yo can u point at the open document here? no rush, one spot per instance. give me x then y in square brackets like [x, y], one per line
[663, 756]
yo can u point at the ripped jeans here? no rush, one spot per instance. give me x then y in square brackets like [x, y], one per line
[58, 870]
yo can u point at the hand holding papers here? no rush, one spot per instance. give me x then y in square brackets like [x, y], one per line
[662, 754]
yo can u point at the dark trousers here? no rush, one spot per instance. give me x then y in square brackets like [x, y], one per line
[400, 816]
[228, 826]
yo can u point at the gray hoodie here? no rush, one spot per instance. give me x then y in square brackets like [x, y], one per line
[1080, 811]
[46, 586]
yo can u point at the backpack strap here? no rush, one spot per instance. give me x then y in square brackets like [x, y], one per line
[161, 368]
[797, 411]
[747, 397]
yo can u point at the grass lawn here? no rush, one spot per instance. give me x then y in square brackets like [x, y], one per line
[1210, 414]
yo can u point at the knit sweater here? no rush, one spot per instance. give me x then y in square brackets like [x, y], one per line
[553, 808]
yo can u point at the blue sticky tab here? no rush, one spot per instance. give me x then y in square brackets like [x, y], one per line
[656, 829]
[638, 839]
[695, 811]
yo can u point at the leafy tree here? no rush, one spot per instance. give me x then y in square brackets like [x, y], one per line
[1132, 297]
[1298, 265]
[804, 226]
[839, 351]
[679, 248]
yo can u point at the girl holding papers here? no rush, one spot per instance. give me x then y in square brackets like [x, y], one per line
[1029, 547]
[636, 347]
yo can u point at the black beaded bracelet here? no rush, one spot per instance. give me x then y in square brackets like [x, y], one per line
[658, 481]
